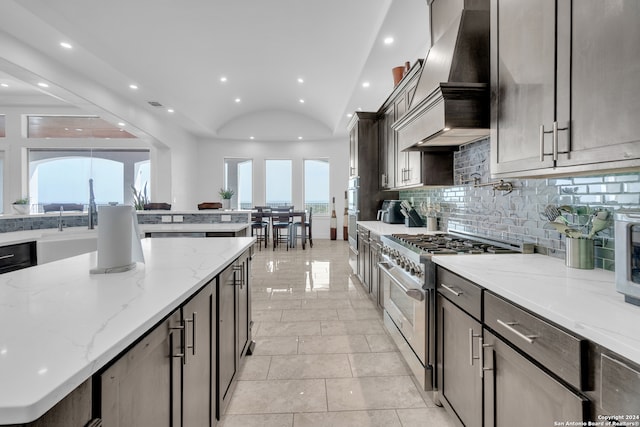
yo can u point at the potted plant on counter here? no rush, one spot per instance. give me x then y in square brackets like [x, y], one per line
[226, 195]
[21, 206]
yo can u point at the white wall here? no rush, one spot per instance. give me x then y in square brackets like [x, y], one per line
[210, 166]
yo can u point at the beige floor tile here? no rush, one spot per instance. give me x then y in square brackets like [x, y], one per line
[278, 396]
[288, 329]
[293, 294]
[309, 366]
[332, 344]
[334, 294]
[383, 418]
[348, 394]
[309, 314]
[358, 314]
[378, 364]
[381, 343]
[275, 305]
[275, 345]
[255, 368]
[352, 327]
[362, 303]
[261, 420]
[266, 315]
[427, 417]
[325, 303]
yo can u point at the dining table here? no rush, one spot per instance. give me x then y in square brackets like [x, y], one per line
[295, 213]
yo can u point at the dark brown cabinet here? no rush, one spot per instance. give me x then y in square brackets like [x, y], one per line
[234, 327]
[564, 90]
[165, 379]
[15, 257]
[459, 333]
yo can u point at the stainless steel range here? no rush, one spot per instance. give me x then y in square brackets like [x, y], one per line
[408, 280]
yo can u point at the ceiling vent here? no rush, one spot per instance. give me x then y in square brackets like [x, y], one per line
[155, 104]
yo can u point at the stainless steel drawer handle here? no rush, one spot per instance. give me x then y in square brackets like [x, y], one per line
[7, 256]
[510, 326]
[453, 291]
[471, 337]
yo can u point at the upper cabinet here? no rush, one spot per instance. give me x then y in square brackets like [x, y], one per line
[564, 91]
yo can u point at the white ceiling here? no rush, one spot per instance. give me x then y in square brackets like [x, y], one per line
[176, 51]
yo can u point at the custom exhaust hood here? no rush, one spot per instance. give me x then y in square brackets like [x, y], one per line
[451, 103]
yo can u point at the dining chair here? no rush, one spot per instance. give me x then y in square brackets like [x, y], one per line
[281, 225]
[260, 227]
[307, 225]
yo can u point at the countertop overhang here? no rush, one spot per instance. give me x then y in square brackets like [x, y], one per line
[60, 324]
[582, 301]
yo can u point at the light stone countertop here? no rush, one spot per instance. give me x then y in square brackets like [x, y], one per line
[582, 301]
[193, 228]
[383, 228]
[60, 324]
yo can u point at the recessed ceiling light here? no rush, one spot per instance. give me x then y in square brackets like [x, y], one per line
[121, 124]
[388, 40]
[359, 108]
[4, 85]
[66, 45]
[41, 84]
[300, 80]
[350, 115]
[301, 101]
[299, 138]
[366, 84]
[223, 79]
[252, 137]
[134, 87]
[237, 100]
[170, 110]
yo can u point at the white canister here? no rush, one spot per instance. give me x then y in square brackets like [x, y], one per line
[432, 223]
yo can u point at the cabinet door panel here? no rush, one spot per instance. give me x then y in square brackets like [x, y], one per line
[196, 371]
[519, 393]
[605, 88]
[227, 360]
[460, 382]
[140, 388]
[524, 85]
[242, 284]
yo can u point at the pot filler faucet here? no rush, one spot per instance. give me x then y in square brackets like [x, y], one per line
[92, 210]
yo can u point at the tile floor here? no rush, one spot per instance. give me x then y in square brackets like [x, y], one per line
[322, 356]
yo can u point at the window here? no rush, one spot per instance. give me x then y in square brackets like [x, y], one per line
[278, 179]
[73, 127]
[62, 176]
[316, 186]
[238, 176]
[2, 125]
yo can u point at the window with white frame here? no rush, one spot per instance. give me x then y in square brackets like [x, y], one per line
[278, 183]
[62, 176]
[238, 176]
[316, 186]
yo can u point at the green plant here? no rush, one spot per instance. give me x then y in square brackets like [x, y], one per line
[23, 201]
[226, 194]
[140, 197]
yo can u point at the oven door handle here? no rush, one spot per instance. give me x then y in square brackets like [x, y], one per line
[416, 294]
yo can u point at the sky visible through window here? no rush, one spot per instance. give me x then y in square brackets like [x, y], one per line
[278, 182]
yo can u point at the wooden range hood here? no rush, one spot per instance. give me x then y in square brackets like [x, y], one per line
[451, 105]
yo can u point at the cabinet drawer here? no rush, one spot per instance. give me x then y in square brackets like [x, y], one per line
[561, 352]
[14, 257]
[463, 293]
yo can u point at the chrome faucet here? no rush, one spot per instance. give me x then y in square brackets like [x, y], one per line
[60, 218]
[92, 210]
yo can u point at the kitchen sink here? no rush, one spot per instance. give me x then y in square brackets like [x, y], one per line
[59, 245]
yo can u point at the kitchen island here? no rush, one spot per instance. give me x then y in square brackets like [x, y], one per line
[62, 325]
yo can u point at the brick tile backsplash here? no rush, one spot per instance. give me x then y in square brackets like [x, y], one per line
[519, 215]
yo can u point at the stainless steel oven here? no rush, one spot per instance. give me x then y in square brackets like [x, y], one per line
[406, 306]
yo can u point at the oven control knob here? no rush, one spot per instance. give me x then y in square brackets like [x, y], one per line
[412, 270]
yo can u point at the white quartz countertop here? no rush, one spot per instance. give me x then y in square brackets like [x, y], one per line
[383, 228]
[61, 324]
[582, 301]
[193, 228]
